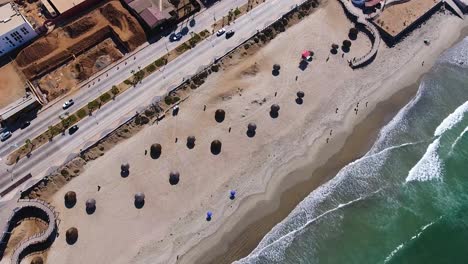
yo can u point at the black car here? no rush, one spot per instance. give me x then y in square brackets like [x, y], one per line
[176, 36]
[229, 34]
[25, 124]
[73, 129]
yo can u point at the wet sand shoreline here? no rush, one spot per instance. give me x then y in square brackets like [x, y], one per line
[300, 183]
[244, 236]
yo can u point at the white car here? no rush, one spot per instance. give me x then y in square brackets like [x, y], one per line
[5, 135]
[67, 104]
[220, 32]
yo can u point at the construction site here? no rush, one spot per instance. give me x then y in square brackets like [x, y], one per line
[73, 52]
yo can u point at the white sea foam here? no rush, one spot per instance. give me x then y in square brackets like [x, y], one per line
[397, 124]
[457, 55]
[458, 139]
[279, 238]
[429, 167]
[402, 245]
[453, 119]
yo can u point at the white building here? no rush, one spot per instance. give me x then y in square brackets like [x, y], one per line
[15, 30]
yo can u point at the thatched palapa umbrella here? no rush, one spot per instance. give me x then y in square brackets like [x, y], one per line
[90, 206]
[216, 147]
[124, 170]
[190, 142]
[139, 200]
[353, 32]
[251, 129]
[274, 110]
[347, 43]
[155, 151]
[70, 199]
[125, 167]
[300, 96]
[71, 235]
[174, 177]
[220, 115]
[276, 69]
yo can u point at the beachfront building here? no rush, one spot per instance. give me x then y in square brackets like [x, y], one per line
[150, 13]
[15, 30]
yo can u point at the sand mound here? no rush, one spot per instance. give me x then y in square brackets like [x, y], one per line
[80, 27]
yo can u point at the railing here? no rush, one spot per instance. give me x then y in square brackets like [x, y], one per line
[25, 205]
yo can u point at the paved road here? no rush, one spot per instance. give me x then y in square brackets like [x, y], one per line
[111, 115]
[114, 74]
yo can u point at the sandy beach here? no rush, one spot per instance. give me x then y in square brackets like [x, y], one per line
[271, 172]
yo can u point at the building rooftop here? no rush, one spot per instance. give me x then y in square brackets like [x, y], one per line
[9, 18]
[140, 5]
[153, 16]
[398, 17]
[64, 5]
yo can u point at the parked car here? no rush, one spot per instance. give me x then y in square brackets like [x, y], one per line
[220, 32]
[229, 34]
[73, 129]
[175, 36]
[25, 124]
[5, 135]
[67, 104]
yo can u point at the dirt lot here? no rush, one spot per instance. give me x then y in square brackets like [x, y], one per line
[11, 85]
[69, 42]
[67, 77]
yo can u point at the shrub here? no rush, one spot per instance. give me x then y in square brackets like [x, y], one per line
[138, 76]
[81, 113]
[169, 100]
[237, 12]
[203, 33]
[160, 62]
[115, 90]
[246, 46]
[215, 67]
[93, 105]
[182, 48]
[151, 68]
[194, 40]
[64, 173]
[105, 97]
[67, 122]
[128, 82]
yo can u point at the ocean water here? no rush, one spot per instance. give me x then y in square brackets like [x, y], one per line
[405, 201]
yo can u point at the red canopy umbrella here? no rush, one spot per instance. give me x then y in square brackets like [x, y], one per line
[306, 54]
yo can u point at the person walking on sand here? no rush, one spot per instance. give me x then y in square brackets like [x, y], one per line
[98, 188]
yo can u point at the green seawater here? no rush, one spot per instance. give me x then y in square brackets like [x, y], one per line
[405, 201]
